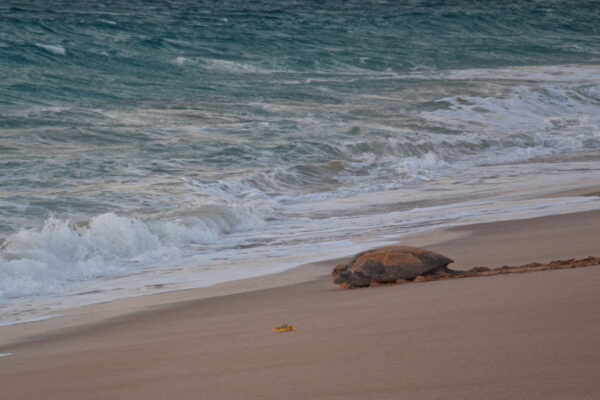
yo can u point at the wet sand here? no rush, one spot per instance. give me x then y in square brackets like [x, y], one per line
[521, 336]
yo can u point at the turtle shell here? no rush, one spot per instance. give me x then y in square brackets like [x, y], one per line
[388, 264]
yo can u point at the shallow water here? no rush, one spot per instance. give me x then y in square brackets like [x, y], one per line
[182, 144]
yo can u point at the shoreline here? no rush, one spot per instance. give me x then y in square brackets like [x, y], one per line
[440, 240]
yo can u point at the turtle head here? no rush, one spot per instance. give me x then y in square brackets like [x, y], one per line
[338, 268]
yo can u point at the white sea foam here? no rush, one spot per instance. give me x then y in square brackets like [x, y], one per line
[46, 260]
[180, 61]
[221, 65]
[523, 109]
[548, 73]
[55, 49]
[19, 321]
[336, 68]
[524, 123]
[591, 91]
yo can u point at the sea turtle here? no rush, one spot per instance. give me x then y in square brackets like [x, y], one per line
[389, 264]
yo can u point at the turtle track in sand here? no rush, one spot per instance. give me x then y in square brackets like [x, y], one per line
[506, 269]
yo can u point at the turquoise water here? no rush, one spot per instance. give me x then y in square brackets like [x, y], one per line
[139, 135]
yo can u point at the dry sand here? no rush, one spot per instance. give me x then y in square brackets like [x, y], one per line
[524, 336]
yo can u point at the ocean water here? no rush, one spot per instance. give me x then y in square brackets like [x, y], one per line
[158, 145]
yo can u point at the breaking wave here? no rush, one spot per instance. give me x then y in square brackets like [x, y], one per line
[61, 252]
[55, 49]
[464, 131]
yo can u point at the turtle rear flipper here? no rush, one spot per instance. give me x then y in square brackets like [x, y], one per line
[443, 271]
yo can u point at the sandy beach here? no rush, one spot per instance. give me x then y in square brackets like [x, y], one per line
[522, 336]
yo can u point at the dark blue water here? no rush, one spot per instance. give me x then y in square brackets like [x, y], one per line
[146, 53]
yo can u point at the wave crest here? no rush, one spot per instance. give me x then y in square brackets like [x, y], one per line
[46, 260]
[54, 49]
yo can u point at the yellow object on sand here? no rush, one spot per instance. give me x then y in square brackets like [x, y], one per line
[283, 328]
